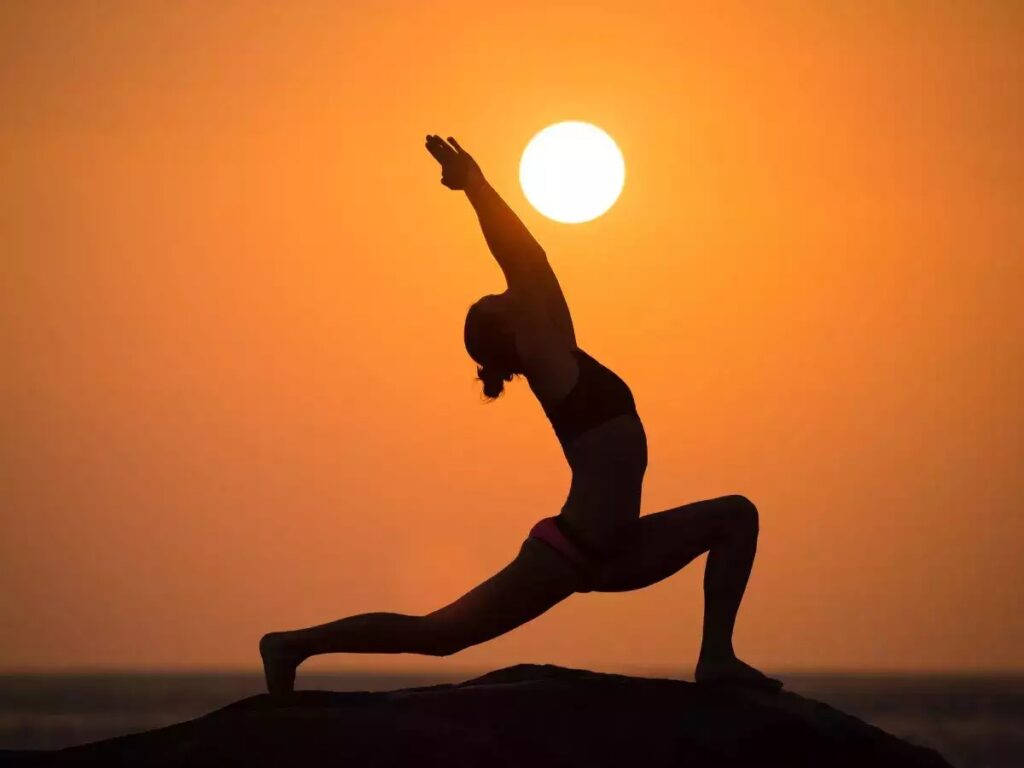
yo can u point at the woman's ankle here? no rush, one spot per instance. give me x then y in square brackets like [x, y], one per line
[716, 652]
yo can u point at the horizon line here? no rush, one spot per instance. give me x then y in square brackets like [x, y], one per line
[471, 672]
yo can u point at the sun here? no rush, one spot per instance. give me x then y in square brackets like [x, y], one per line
[572, 172]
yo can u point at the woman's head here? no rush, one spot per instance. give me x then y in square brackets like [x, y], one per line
[491, 342]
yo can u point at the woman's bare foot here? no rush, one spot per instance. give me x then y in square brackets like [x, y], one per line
[279, 663]
[728, 670]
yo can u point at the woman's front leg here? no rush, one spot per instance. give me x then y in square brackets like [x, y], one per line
[727, 529]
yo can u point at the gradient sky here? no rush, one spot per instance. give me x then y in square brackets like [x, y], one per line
[234, 395]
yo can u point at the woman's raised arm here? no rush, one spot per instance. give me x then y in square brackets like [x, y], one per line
[520, 256]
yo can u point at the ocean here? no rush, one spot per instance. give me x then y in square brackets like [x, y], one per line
[974, 721]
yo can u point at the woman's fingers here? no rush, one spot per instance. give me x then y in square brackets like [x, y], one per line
[437, 140]
[436, 147]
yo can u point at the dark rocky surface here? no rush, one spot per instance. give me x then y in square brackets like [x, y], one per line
[520, 716]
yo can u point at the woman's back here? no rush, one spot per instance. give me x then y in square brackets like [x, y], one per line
[598, 396]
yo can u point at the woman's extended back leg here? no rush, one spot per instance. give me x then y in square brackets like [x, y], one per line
[726, 528]
[537, 579]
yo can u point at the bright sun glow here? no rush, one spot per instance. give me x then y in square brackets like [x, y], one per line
[572, 172]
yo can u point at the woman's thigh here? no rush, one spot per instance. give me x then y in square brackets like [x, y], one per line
[536, 580]
[663, 543]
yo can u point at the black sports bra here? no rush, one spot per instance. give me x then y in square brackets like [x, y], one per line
[598, 395]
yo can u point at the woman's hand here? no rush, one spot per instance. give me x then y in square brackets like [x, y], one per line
[458, 169]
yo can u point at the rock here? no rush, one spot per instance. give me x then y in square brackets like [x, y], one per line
[525, 715]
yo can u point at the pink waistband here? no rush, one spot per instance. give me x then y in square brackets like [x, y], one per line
[547, 530]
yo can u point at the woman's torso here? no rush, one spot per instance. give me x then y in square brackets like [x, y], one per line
[605, 444]
[598, 395]
[606, 447]
[598, 426]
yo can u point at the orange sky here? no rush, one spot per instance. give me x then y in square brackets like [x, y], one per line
[234, 395]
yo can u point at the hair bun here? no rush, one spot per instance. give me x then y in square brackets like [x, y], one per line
[493, 379]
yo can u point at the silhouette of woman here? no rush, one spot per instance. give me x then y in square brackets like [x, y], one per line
[598, 542]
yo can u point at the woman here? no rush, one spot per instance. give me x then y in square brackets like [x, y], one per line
[598, 542]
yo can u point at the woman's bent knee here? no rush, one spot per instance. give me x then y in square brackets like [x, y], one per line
[743, 512]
